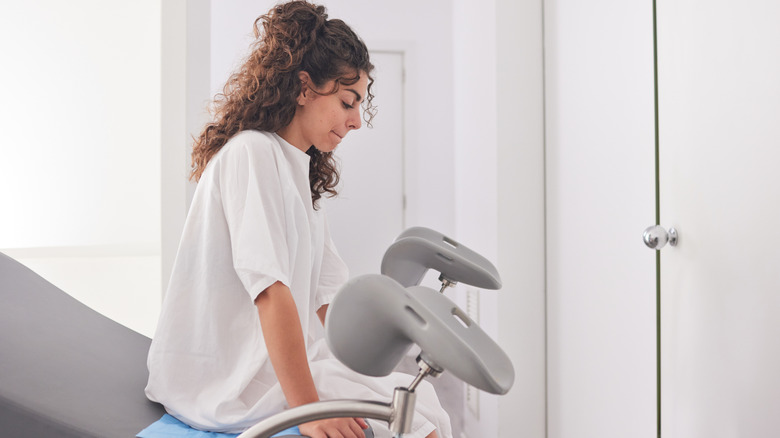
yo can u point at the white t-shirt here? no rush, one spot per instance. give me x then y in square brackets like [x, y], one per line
[251, 223]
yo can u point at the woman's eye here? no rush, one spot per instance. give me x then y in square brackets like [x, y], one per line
[346, 105]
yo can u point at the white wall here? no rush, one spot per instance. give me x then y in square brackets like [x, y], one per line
[500, 195]
[185, 94]
[79, 177]
[476, 184]
[80, 118]
[521, 213]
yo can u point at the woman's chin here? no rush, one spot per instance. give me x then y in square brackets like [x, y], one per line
[326, 148]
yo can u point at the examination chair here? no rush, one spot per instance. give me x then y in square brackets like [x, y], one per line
[66, 370]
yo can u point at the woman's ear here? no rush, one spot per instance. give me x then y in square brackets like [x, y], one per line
[305, 81]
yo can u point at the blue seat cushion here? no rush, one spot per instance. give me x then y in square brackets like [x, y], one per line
[169, 427]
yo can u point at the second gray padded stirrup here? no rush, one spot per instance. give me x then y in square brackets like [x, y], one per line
[374, 320]
[418, 249]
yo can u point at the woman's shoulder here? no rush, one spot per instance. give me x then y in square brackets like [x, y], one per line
[253, 141]
[256, 149]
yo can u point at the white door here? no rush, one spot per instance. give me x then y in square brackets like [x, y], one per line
[368, 213]
[601, 312]
[719, 136]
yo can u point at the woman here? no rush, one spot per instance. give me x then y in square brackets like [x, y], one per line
[240, 335]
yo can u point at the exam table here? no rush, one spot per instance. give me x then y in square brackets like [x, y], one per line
[66, 370]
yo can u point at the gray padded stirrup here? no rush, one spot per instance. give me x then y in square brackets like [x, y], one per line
[418, 249]
[374, 321]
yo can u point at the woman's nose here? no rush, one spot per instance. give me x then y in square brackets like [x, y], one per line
[355, 121]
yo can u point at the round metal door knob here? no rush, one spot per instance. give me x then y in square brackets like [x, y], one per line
[656, 237]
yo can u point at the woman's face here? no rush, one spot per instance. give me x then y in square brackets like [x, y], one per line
[322, 120]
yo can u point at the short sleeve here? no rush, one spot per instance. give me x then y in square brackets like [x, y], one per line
[253, 203]
[333, 274]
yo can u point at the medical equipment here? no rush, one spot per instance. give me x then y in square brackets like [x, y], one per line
[419, 249]
[393, 315]
[393, 318]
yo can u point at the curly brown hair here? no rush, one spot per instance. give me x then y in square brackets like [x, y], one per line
[291, 38]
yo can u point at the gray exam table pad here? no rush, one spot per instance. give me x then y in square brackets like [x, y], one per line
[66, 370]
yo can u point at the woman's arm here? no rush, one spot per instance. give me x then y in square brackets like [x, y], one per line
[287, 351]
[284, 341]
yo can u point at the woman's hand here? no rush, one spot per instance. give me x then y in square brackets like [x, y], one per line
[335, 428]
[284, 340]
